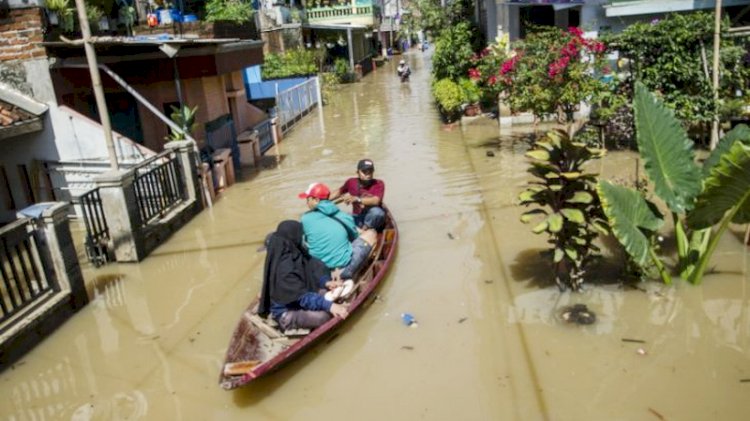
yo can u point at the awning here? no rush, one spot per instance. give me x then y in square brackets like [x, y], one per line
[556, 4]
[650, 7]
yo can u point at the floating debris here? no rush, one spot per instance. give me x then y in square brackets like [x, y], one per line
[490, 154]
[638, 341]
[463, 319]
[488, 281]
[744, 380]
[656, 413]
[450, 236]
[640, 351]
[578, 314]
[408, 348]
[408, 320]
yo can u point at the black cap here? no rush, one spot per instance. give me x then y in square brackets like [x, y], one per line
[365, 165]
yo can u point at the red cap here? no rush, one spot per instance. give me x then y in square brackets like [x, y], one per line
[316, 190]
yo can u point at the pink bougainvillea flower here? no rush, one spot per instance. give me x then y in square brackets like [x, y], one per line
[475, 74]
[570, 49]
[492, 80]
[575, 31]
[598, 47]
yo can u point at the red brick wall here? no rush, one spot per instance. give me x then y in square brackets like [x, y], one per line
[20, 34]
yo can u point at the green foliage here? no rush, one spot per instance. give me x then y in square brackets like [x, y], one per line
[547, 74]
[329, 83]
[740, 133]
[633, 220]
[672, 57]
[433, 18]
[341, 68]
[237, 11]
[298, 62]
[65, 13]
[470, 92]
[485, 69]
[453, 52]
[564, 195]
[667, 152]
[720, 197]
[127, 15]
[93, 14]
[449, 98]
[184, 117]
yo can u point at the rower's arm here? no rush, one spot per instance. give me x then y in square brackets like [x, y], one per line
[369, 200]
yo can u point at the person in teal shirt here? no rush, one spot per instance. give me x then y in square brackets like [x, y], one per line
[332, 235]
[328, 230]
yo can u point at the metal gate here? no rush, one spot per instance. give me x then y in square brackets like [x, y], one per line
[97, 231]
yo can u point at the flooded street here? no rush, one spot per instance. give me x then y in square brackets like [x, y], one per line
[490, 344]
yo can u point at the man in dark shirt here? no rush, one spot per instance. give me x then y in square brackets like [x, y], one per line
[365, 194]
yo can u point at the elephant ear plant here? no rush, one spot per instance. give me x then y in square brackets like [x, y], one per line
[564, 195]
[698, 198]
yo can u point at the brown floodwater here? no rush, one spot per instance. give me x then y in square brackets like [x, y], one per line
[490, 344]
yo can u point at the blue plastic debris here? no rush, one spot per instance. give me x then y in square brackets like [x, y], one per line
[408, 319]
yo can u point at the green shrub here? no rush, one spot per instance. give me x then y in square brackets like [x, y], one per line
[671, 56]
[237, 11]
[470, 91]
[341, 69]
[449, 97]
[298, 62]
[564, 195]
[329, 83]
[453, 52]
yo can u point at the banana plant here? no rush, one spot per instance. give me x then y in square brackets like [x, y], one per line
[689, 191]
[564, 196]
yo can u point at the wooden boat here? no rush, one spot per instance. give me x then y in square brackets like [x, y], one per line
[257, 347]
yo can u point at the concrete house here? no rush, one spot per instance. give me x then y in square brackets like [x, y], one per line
[55, 144]
[512, 16]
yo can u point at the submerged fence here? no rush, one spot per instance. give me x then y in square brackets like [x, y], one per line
[97, 231]
[158, 186]
[25, 280]
[296, 102]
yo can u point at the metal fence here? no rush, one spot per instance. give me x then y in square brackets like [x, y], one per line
[97, 231]
[296, 102]
[265, 136]
[25, 281]
[158, 186]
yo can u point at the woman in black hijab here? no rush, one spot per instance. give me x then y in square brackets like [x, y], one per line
[291, 281]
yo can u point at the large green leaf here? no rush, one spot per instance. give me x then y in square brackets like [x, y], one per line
[666, 151]
[727, 187]
[628, 212]
[741, 133]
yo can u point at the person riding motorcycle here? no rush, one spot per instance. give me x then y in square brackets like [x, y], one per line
[403, 70]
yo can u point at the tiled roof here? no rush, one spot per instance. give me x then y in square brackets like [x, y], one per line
[19, 113]
[11, 114]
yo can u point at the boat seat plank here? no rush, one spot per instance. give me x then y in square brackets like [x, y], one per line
[265, 327]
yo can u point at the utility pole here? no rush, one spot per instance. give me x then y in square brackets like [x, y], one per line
[96, 81]
[717, 41]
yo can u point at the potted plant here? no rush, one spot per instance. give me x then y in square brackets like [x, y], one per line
[60, 13]
[471, 95]
[95, 15]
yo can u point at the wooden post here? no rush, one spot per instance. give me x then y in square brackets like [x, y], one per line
[717, 41]
[96, 81]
